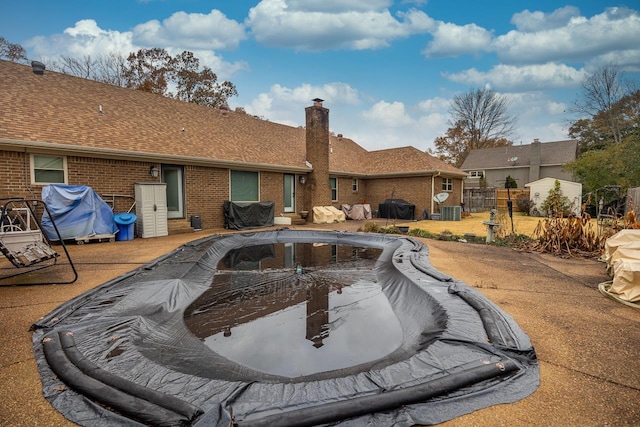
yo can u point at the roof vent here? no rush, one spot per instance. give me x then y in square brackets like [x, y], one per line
[37, 67]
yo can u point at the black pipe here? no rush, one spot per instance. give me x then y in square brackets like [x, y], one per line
[90, 369]
[132, 406]
[355, 407]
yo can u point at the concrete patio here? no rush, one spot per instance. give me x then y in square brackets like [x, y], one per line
[587, 344]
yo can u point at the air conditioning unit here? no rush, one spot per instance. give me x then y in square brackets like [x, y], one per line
[450, 213]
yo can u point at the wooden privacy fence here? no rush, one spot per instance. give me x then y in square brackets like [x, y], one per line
[502, 197]
[484, 199]
[479, 199]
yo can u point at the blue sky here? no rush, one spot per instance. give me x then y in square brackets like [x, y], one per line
[386, 69]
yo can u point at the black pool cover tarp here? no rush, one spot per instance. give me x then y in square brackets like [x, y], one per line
[244, 215]
[396, 209]
[125, 346]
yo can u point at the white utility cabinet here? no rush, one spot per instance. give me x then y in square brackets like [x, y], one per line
[151, 209]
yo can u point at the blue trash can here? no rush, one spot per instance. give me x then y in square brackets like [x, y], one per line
[125, 222]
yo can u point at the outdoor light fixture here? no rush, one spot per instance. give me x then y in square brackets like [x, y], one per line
[303, 179]
[154, 171]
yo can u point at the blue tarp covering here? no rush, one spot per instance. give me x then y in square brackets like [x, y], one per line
[77, 210]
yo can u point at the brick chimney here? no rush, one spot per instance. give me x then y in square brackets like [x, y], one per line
[317, 191]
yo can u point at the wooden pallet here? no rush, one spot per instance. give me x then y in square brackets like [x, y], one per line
[96, 238]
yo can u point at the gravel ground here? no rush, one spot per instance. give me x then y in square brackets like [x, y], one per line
[587, 344]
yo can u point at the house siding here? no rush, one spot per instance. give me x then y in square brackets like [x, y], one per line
[346, 195]
[271, 190]
[207, 189]
[12, 175]
[415, 190]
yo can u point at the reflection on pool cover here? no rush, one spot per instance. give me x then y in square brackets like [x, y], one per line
[168, 343]
[296, 309]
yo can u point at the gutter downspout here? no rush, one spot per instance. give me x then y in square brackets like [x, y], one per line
[432, 190]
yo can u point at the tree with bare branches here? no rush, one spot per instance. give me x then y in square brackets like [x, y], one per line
[601, 91]
[479, 119]
[12, 51]
[484, 115]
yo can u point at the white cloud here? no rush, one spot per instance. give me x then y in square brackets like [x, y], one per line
[556, 108]
[539, 116]
[527, 21]
[354, 25]
[529, 77]
[434, 105]
[616, 29]
[86, 38]
[454, 40]
[286, 105]
[380, 125]
[628, 59]
[388, 114]
[190, 31]
[223, 69]
[332, 6]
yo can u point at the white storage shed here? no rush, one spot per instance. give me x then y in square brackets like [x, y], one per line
[539, 191]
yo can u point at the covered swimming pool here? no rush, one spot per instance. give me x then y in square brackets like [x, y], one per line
[283, 327]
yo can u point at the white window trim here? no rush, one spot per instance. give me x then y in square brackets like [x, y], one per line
[447, 180]
[244, 170]
[332, 199]
[32, 169]
[356, 184]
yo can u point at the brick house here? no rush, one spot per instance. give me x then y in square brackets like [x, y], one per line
[524, 163]
[56, 128]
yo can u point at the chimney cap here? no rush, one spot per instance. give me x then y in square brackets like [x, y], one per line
[317, 102]
[37, 67]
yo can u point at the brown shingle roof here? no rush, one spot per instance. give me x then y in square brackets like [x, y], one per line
[408, 160]
[551, 153]
[58, 110]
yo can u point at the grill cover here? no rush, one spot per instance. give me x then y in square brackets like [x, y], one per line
[396, 209]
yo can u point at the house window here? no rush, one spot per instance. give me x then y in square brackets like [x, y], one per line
[48, 169]
[333, 183]
[245, 186]
[354, 185]
[447, 184]
[475, 174]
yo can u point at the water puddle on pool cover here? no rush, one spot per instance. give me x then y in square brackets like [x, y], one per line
[295, 309]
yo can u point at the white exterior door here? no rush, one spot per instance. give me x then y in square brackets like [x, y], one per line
[172, 176]
[289, 193]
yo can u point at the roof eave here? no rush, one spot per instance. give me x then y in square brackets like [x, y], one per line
[429, 172]
[52, 147]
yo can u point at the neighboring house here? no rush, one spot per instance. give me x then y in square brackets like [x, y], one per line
[524, 163]
[56, 128]
[539, 191]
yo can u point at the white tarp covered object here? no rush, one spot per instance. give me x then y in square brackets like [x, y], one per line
[622, 255]
[327, 215]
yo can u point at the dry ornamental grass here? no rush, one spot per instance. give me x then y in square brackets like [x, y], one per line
[571, 236]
